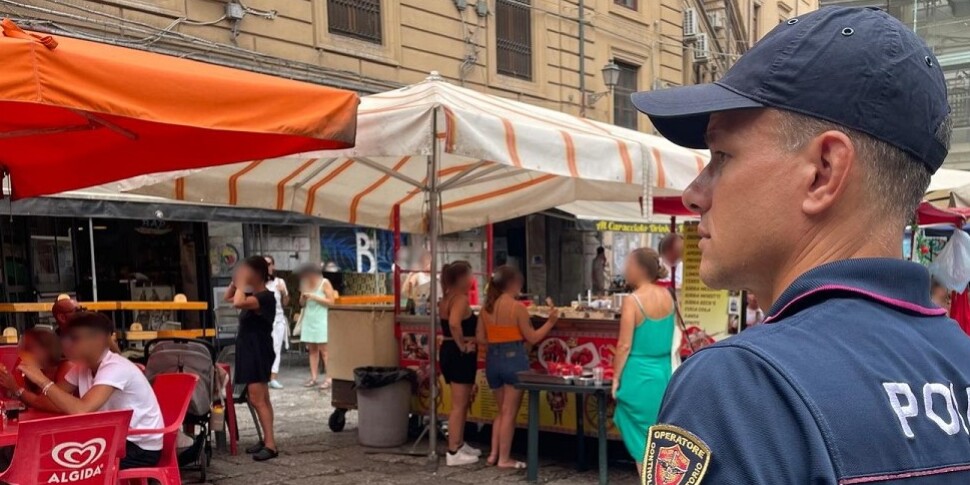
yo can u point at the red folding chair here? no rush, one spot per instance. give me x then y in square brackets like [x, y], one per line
[8, 356]
[84, 449]
[174, 392]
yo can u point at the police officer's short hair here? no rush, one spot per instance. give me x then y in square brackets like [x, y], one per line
[895, 179]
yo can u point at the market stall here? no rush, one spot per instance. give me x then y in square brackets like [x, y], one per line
[436, 158]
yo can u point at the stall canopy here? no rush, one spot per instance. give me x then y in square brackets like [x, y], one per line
[497, 159]
[627, 211]
[76, 114]
[928, 214]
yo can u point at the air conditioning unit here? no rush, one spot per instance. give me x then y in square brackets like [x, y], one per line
[690, 22]
[717, 19]
[701, 50]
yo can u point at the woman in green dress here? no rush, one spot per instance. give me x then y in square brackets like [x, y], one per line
[645, 350]
[316, 297]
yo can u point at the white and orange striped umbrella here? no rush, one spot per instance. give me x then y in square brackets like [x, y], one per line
[497, 159]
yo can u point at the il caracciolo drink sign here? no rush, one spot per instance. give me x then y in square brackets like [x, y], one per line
[636, 227]
[80, 460]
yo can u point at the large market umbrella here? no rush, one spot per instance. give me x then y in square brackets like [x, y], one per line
[498, 159]
[448, 158]
[75, 114]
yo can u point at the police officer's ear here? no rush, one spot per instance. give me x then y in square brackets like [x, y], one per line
[827, 163]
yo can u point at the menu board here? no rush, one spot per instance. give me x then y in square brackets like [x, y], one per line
[700, 305]
[557, 411]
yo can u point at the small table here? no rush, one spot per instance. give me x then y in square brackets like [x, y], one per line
[8, 435]
[600, 392]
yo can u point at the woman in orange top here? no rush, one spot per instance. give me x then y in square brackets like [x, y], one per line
[504, 326]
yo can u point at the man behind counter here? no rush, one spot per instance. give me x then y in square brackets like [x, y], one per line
[825, 135]
[63, 310]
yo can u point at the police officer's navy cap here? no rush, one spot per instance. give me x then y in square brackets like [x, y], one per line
[856, 67]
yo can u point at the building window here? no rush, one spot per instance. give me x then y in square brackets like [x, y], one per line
[624, 113]
[513, 34]
[631, 4]
[958, 90]
[360, 19]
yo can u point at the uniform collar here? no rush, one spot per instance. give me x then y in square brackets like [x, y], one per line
[891, 282]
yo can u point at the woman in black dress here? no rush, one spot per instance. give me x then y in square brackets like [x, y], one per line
[459, 357]
[254, 345]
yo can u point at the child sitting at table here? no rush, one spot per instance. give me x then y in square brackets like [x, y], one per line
[106, 382]
[42, 347]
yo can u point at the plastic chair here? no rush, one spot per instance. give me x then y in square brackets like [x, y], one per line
[174, 392]
[84, 449]
[8, 356]
[10, 332]
[180, 298]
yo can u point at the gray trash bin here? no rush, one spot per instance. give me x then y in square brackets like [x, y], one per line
[383, 405]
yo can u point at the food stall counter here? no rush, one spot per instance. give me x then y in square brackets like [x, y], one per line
[580, 337]
[360, 335]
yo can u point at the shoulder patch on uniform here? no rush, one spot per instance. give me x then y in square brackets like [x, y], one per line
[674, 456]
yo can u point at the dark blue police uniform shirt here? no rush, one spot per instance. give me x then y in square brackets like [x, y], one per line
[858, 378]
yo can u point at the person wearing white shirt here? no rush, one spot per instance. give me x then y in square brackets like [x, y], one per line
[671, 252]
[106, 382]
[280, 327]
[754, 314]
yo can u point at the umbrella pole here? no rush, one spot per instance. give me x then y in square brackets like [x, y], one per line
[433, 209]
[94, 269]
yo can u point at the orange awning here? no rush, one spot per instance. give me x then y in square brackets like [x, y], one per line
[75, 114]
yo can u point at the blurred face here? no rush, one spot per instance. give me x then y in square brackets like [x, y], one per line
[515, 286]
[309, 281]
[464, 283]
[632, 272]
[247, 275]
[37, 350]
[62, 311]
[752, 300]
[751, 179]
[86, 344]
[941, 296]
[272, 266]
[675, 252]
[425, 261]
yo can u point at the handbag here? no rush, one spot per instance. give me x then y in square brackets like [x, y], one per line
[299, 325]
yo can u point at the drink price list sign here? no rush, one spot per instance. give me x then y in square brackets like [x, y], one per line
[700, 305]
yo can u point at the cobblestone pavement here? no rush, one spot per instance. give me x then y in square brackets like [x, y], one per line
[311, 454]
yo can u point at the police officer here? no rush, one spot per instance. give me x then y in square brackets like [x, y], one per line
[825, 135]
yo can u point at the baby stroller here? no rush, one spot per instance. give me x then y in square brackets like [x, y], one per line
[197, 357]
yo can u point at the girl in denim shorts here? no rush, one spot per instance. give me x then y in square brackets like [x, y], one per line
[505, 326]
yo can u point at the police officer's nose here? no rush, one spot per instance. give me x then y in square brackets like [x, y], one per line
[697, 197]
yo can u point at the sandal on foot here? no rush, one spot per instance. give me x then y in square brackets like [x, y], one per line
[517, 466]
[325, 386]
[310, 383]
[255, 448]
[265, 454]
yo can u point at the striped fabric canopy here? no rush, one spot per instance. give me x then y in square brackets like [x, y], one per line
[497, 159]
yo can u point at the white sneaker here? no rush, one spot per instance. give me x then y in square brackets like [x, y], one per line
[460, 459]
[274, 384]
[468, 450]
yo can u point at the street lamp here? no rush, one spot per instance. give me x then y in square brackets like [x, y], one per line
[611, 77]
